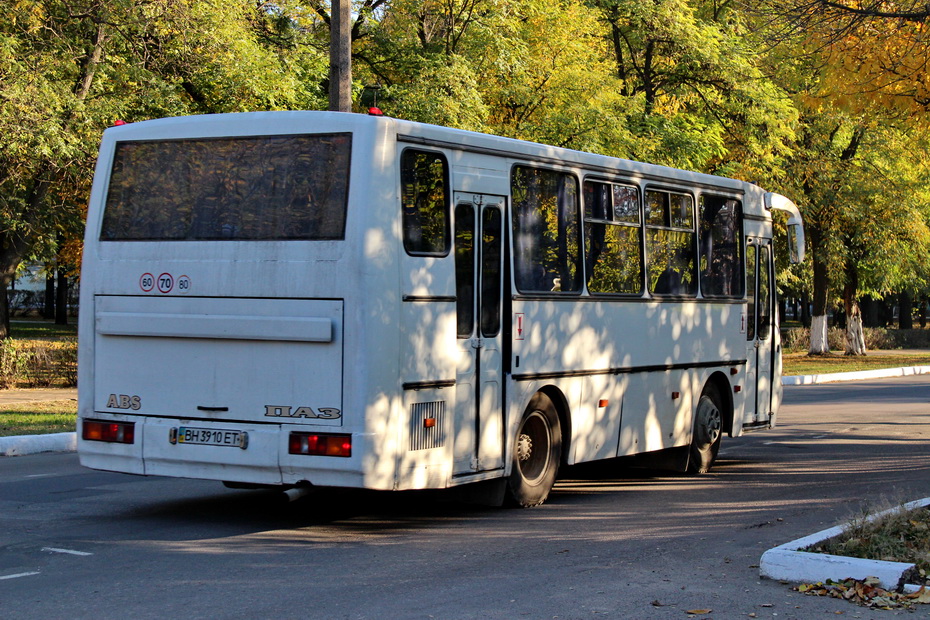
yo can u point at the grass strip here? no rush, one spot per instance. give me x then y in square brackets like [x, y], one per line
[803, 364]
[898, 536]
[27, 330]
[38, 418]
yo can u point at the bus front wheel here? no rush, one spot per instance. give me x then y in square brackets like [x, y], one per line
[705, 439]
[537, 451]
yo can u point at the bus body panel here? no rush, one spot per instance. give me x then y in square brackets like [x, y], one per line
[250, 360]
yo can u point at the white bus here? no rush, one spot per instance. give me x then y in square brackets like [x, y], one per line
[324, 299]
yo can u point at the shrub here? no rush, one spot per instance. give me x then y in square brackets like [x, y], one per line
[799, 338]
[38, 363]
[11, 363]
[796, 338]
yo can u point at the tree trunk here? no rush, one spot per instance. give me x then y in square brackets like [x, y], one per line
[869, 312]
[905, 311]
[12, 248]
[855, 337]
[819, 327]
[885, 313]
[819, 345]
[61, 299]
[48, 307]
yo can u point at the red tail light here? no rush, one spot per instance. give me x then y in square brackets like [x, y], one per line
[113, 432]
[320, 444]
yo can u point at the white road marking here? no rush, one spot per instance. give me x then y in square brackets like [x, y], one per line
[17, 575]
[68, 551]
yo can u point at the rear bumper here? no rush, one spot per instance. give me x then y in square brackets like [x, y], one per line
[264, 460]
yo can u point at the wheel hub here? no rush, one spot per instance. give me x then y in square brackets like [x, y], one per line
[708, 423]
[524, 447]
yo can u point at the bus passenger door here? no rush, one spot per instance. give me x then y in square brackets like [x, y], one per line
[759, 336]
[478, 419]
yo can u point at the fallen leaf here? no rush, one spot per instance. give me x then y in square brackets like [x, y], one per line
[699, 612]
[921, 596]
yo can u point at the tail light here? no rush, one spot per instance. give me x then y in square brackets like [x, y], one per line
[320, 444]
[113, 432]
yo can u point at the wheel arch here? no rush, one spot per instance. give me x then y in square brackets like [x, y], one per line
[722, 384]
[563, 411]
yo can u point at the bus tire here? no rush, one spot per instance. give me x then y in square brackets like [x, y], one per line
[537, 452]
[706, 436]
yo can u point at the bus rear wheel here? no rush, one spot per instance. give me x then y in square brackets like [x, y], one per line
[706, 436]
[537, 451]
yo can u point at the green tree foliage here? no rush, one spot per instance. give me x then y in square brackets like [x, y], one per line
[703, 102]
[70, 68]
[669, 82]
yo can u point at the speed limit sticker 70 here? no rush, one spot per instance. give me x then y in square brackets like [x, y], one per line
[165, 283]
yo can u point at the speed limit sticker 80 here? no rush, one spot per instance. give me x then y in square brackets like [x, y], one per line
[164, 283]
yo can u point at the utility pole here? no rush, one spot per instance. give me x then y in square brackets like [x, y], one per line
[340, 56]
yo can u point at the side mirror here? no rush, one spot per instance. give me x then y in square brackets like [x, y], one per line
[778, 202]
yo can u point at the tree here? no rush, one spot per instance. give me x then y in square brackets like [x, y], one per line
[706, 105]
[69, 68]
[855, 74]
[862, 187]
[872, 51]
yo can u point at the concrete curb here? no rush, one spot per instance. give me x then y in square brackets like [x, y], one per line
[881, 373]
[21, 445]
[787, 563]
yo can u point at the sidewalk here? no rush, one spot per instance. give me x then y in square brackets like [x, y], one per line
[9, 397]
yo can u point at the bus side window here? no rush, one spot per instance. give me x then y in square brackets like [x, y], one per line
[670, 249]
[424, 179]
[613, 261]
[546, 231]
[721, 241]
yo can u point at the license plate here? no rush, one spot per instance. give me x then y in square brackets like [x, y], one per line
[211, 437]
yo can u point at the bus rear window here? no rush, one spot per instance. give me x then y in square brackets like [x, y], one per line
[249, 189]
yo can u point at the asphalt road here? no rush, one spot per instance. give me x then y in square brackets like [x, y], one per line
[610, 542]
